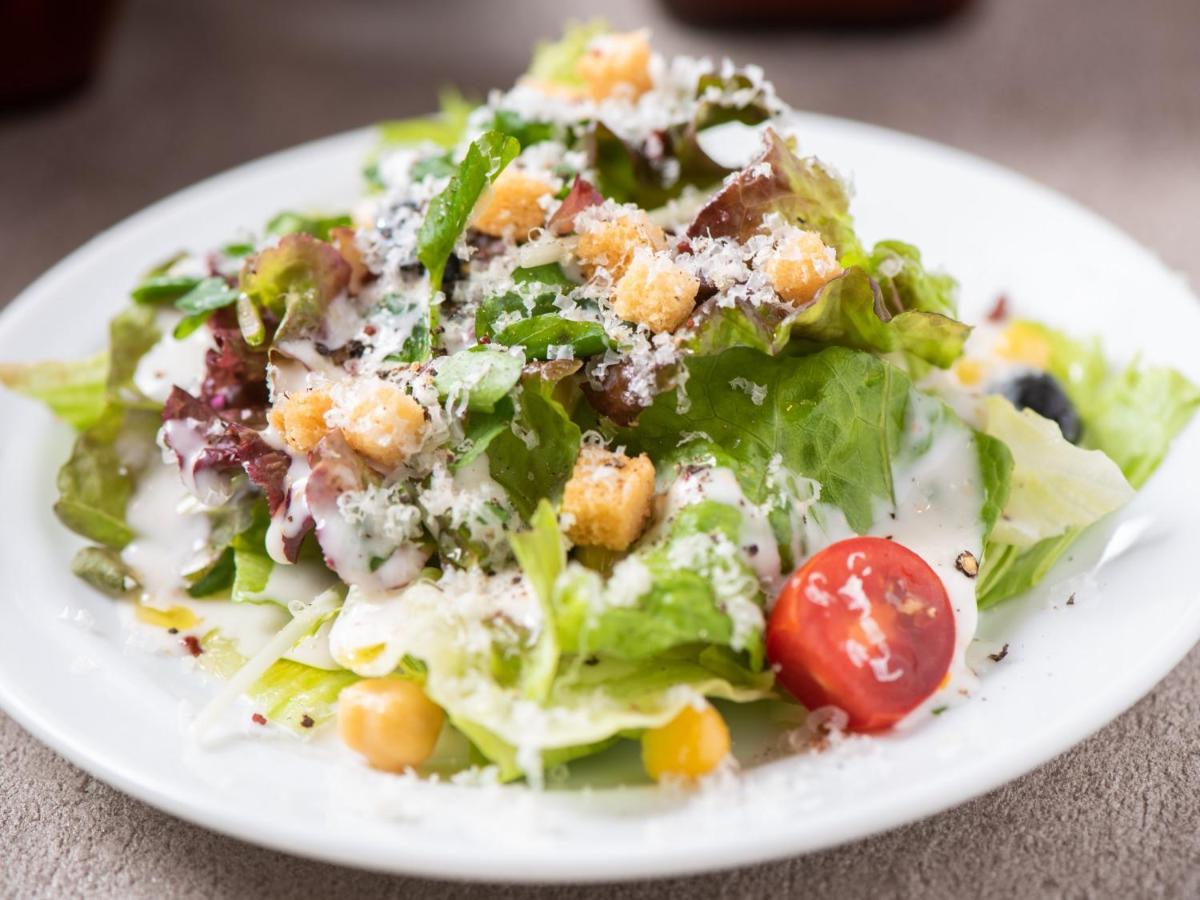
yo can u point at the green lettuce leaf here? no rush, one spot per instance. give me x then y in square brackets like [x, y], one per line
[1129, 414]
[216, 578]
[620, 698]
[253, 567]
[95, 483]
[835, 416]
[539, 333]
[299, 697]
[534, 456]
[542, 556]
[163, 288]
[103, 569]
[481, 429]
[526, 132]
[995, 468]
[690, 586]
[480, 374]
[131, 334]
[317, 226]
[802, 191]
[293, 694]
[1056, 486]
[295, 281]
[554, 61]
[201, 302]
[549, 275]
[445, 129]
[417, 345]
[626, 174]
[76, 392]
[448, 212]
[849, 313]
[904, 282]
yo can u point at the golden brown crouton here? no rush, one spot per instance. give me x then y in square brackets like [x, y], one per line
[613, 242]
[655, 292]
[382, 422]
[343, 240]
[607, 500]
[513, 205]
[802, 266]
[616, 65]
[300, 418]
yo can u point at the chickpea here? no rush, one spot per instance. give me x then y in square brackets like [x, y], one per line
[690, 745]
[390, 721]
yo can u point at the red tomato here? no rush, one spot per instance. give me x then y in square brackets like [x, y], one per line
[866, 626]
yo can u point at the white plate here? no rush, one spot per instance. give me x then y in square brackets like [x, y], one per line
[116, 711]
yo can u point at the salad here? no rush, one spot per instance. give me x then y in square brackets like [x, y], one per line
[592, 419]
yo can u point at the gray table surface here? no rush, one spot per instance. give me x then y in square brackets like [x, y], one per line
[1098, 98]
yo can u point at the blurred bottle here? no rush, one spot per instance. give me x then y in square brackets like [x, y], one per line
[50, 47]
[812, 12]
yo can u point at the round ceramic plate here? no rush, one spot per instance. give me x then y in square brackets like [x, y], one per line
[70, 676]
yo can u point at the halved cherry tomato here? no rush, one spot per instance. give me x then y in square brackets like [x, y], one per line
[866, 626]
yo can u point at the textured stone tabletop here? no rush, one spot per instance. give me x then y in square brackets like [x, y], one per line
[1098, 98]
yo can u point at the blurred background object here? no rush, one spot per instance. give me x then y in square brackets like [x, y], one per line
[50, 47]
[857, 13]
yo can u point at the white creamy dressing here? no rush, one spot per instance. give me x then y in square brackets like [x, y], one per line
[206, 483]
[290, 519]
[720, 484]
[340, 322]
[938, 498]
[345, 547]
[170, 541]
[170, 363]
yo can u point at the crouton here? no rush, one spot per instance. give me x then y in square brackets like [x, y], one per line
[607, 500]
[300, 418]
[513, 205]
[655, 292]
[801, 266]
[611, 243]
[382, 422]
[347, 246]
[616, 65]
